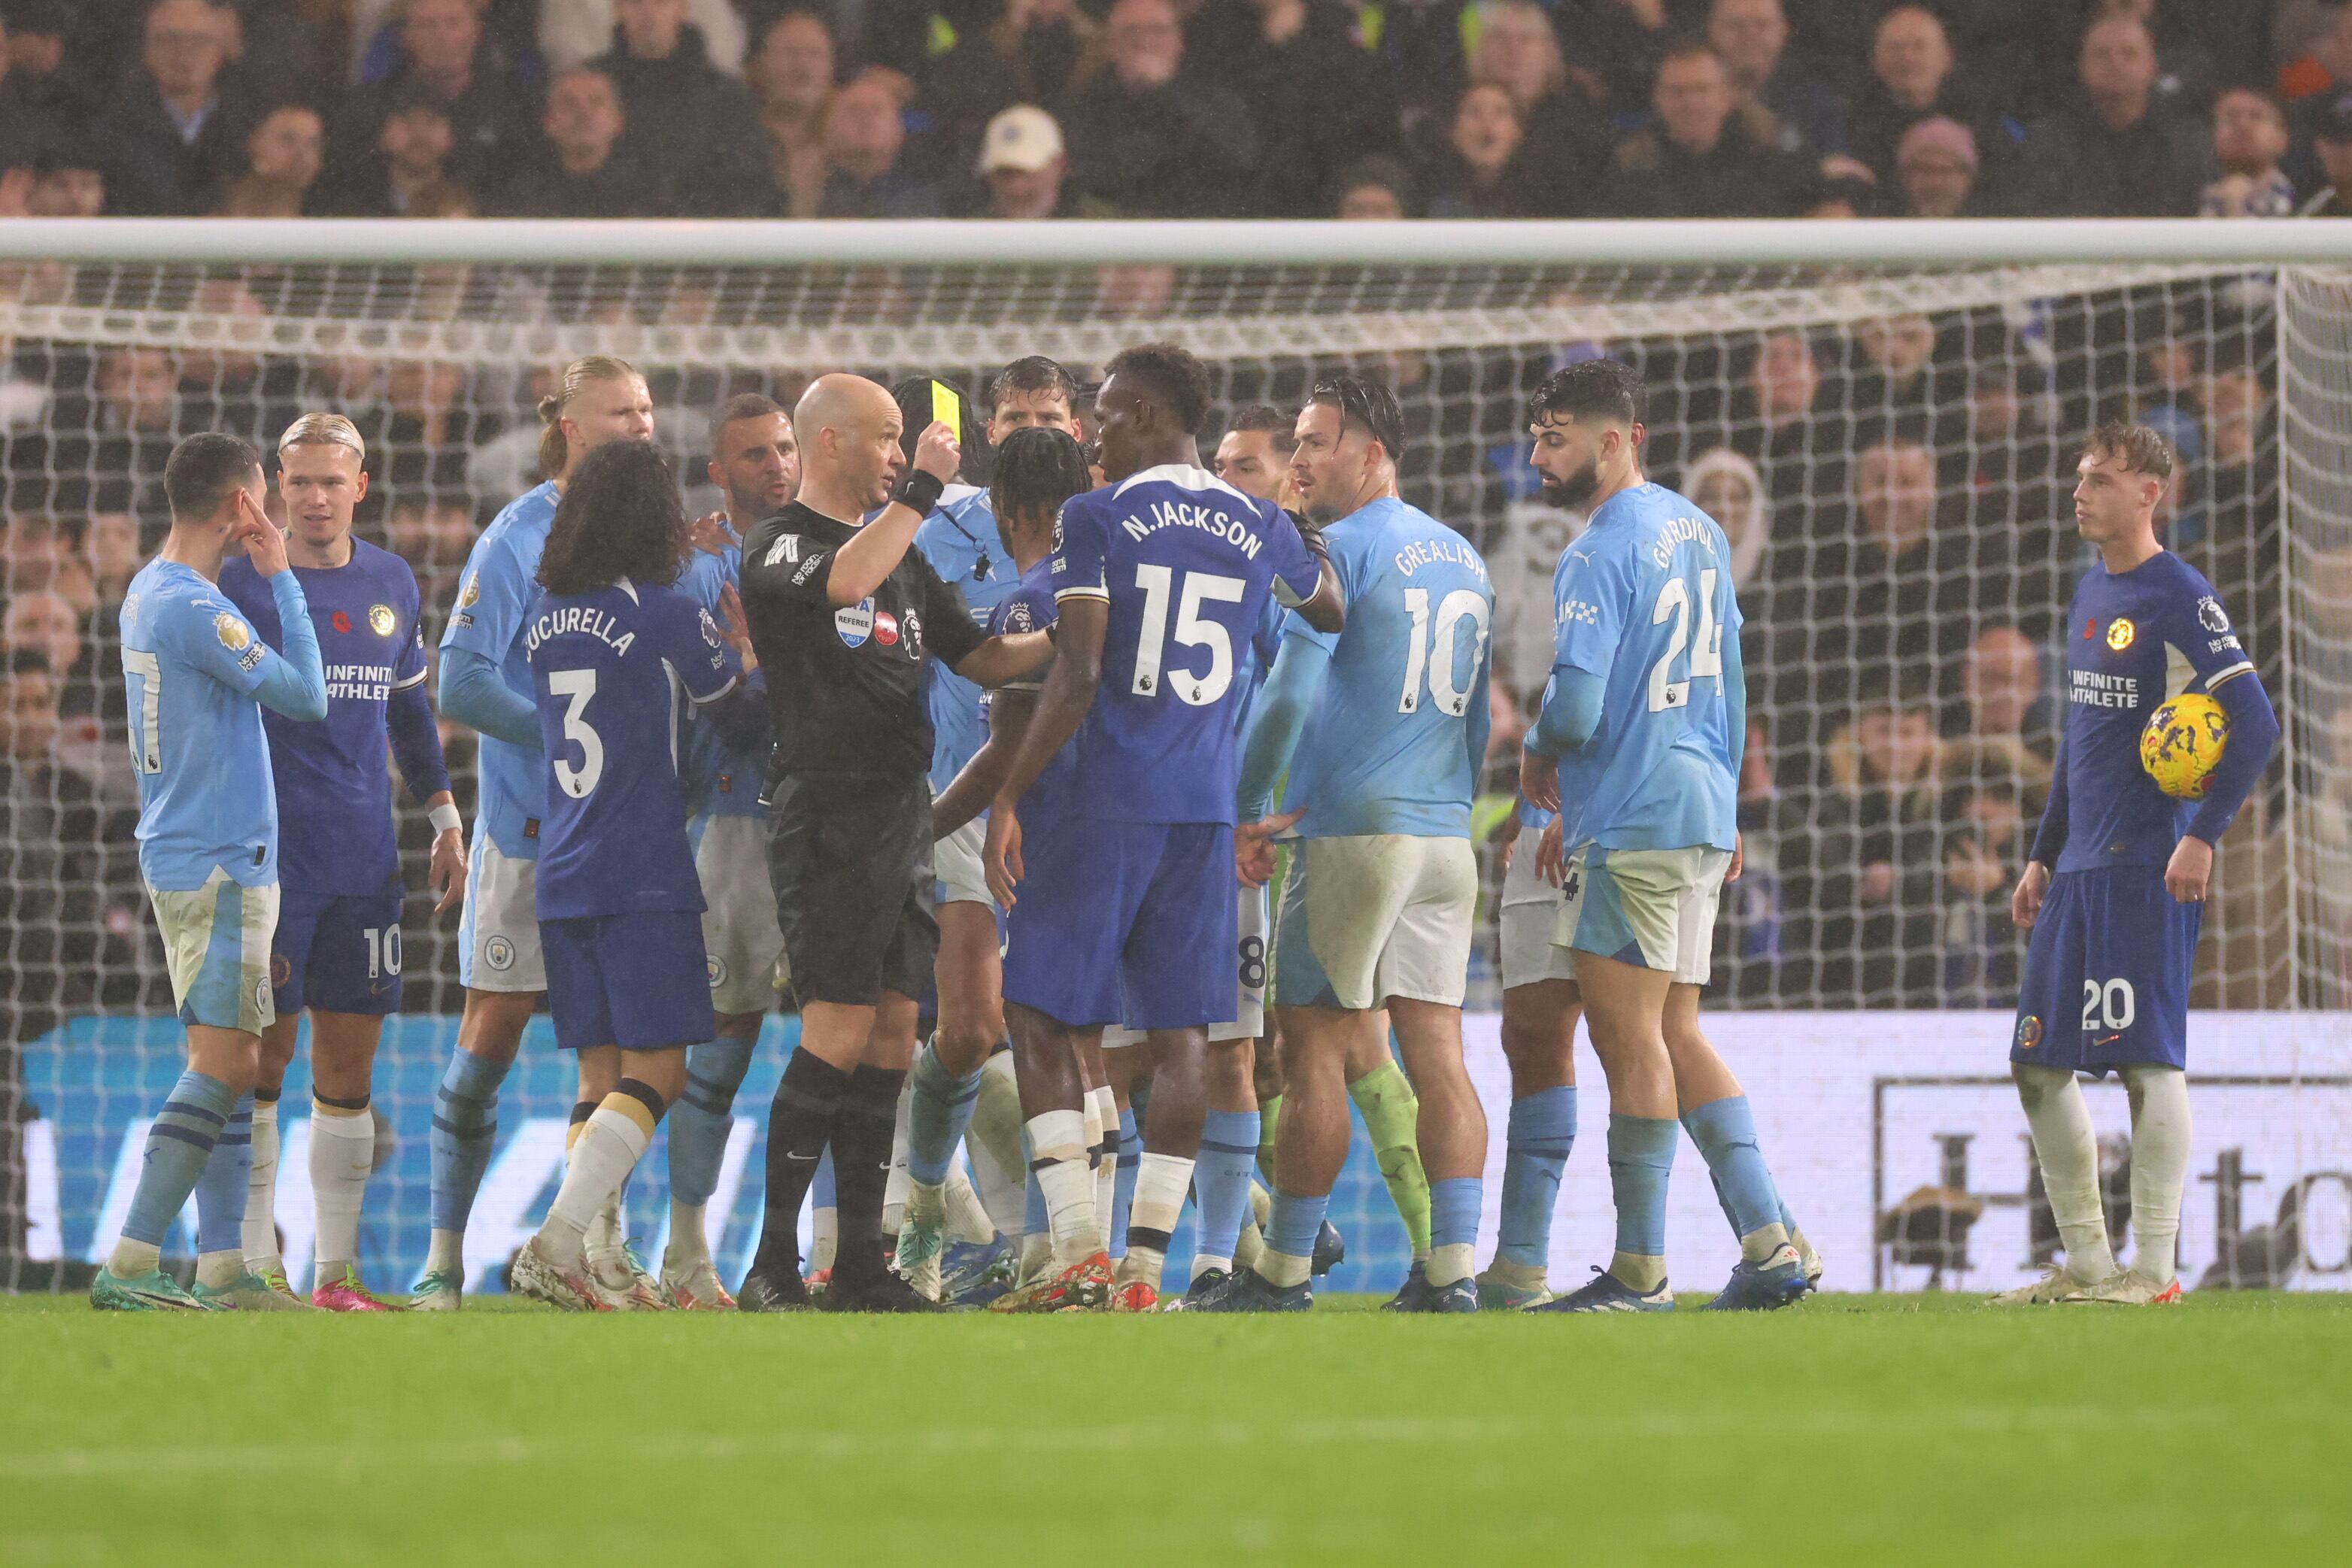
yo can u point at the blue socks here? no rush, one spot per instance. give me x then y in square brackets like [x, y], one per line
[1640, 1158]
[1542, 1132]
[936, 1116]
[220, 1191]
[1221, 1182]
[1131, 1165]
[703, 1117]
[1290, 1233]
[179, 1146]
[465, 1128]
[1725, 1131]
[1453, 1205]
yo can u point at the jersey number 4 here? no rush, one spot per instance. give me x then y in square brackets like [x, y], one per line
[578, 686]
[1193, 631]
[1706, 653]
[1430, 656]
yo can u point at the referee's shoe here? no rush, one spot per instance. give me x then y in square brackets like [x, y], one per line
[888, 1294]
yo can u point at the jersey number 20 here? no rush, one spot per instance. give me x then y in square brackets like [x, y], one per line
[1431, 656]
[578, 685]
[1706, 653]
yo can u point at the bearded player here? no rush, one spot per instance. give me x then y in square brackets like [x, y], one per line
[2113, 892]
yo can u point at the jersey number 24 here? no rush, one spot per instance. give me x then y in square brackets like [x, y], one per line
[1706, 652]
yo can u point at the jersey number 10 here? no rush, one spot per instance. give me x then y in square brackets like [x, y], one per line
[1706, 653]
[1430, 656]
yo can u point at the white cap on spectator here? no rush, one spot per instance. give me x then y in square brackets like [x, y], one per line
[1023, 137]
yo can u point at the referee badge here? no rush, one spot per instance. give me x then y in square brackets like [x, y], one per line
[855, 622]
[380, 619]
[2120, 632]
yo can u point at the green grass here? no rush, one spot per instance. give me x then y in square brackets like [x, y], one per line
[1853, 1429]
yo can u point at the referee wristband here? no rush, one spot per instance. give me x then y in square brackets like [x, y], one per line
[920, 492]
[444, 819]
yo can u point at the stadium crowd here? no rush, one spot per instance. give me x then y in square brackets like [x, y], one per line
[1036, 108]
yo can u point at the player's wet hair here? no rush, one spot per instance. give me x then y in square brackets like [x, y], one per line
[202, 470]
[1170, 377]
[742, 406]
[2140, 448]
[620, 516]
[1033, 376]
[1595, 389]
[1038, 469]
[924, 399]
[1281, 431]
[577, 377]
[1366, 403]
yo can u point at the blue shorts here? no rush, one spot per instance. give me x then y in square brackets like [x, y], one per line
[337, 953]
[638, 981]
[2106, 973]
[1125, 923]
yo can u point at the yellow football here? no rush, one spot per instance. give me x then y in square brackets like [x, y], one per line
[2182, 743]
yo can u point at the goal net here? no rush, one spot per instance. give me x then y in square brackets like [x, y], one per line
[1888, 444]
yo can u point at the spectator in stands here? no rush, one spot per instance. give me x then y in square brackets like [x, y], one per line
[1992, 793]
[572, 32]
[422, 433]
[1566, 142]
[582, 173]
[2332, 149]
[1035, 51]
[1729, 488]
[1752, 36]
[433, 531]
[109, 543]
[1908, 582]
[1911, 78]
[1935, 167]
[173, 132]
[1697, 161]
[2002, 696]
[2248, 140]
[41, 80]
[791, 78]
[1620, 44]
[866, 144]
[1893, 371]
[1319, 97]
[29, 552]
[282, 157]
[2311, 85]
[2119, 151]
[684, 119]
[1378, 187]
[409, 175]
[1419, 45]
[1151, 137]
[1023, 165]
[42, 620]
[493, 109]
[68, 179]
[1482, 172]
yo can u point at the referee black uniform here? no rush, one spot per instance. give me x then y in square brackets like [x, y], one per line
[850, 823]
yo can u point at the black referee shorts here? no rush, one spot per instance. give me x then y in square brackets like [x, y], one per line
[850, 859]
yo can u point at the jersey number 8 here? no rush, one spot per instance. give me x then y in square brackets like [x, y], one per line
[1706, 653]
[1433, 655]
[579, 686]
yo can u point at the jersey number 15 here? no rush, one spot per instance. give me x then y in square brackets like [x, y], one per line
[1706, 653]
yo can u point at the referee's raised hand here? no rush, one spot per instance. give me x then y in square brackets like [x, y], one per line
[936, 451]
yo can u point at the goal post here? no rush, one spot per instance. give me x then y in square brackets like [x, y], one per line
[1883, 413]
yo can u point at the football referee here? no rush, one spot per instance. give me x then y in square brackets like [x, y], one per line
[842, 614]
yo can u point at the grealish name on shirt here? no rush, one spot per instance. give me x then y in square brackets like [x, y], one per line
[2089, 688]
[1185, 515]
[1439, 552]
[576, 618]
[363, 683]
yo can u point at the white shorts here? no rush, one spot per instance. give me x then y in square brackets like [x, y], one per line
[1370, 917]
[216, 946]
[1531, 910]
[1651, 907]
[743, 947]
[955, 865]
[497, 940]
[1249, 1014]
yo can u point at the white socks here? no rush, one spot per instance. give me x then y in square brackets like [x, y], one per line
[260, 1231]
[342, 1152]
[1161, 1183]
[1458, 1261]
[1062, 1176]
[2159, 1106]
[608, 1148]
[1104, 1172]
[690, 1242]
[2069, 1153]
[968, 1220]
[894, 1188]
[993, 1140]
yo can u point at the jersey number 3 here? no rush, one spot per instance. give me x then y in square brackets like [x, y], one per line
[579, 686]
[1191, 631]
[1706, 653]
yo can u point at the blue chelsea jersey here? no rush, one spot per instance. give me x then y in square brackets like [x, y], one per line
[1396, 736]
[1185, 563]
[336, 833]
[493, 598]
[960, 540]
[1643, 600]
[611, 669]
[2134, 640]
[720, 781]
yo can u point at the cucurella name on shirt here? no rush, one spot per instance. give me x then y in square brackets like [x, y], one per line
[1185, 515]
[573, 618]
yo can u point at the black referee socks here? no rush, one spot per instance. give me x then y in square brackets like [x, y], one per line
[800, 1120]
[861, 1171]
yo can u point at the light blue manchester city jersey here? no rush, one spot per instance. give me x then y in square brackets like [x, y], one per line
[495, 596]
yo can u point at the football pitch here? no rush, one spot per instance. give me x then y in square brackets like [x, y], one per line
[1853, 1429]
